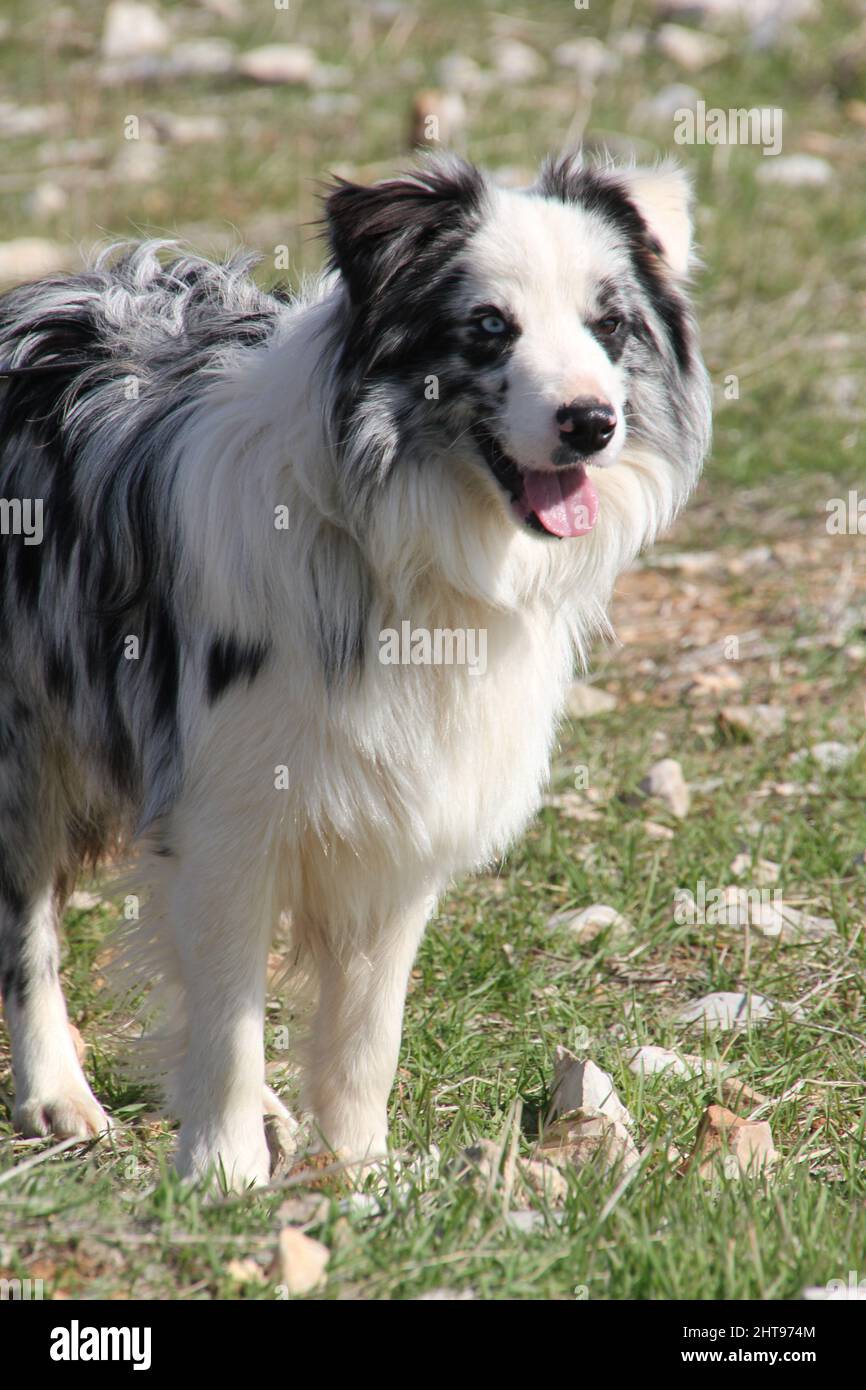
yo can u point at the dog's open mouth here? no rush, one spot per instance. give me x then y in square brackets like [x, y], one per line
[559, 503]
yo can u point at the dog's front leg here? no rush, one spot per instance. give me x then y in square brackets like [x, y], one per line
[356, 1032]
[222, 918]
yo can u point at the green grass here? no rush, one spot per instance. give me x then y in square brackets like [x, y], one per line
[495, 990]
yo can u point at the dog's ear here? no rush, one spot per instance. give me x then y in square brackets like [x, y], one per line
[663, 197]
[406, 224]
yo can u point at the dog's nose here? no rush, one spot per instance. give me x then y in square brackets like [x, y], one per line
[586, 425]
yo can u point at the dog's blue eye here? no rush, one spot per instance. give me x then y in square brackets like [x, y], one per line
[493, 323]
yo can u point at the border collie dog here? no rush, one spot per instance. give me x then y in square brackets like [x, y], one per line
[479, 413]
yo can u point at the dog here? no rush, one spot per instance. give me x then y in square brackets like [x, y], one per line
[484, 407]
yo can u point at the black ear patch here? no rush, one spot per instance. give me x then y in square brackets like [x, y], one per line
[601, 192]
[411, 223]
[572, 182]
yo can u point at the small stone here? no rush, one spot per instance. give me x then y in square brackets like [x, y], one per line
[288, 64]
[516, 61]
[589, 922]
[744, 1146]
[16, 120]
[526, 1223]
[726, 1010]
[832, 757]
[789, 924]
[545, 1180]
[688, 561]
[187, 130]
[588, 57]
[720, 681]
[795, 171]
[245, 1271]
[211, 57]
[651, 1060]
[688, 48]
[47, 200]
[139, 161]
[460, 73]
[301, 1261]
[133, 30]
[750, 559]
[654, 831]
[763, 872]
[584, 701]
[580, 1138]
[738, 1096]
[666, 781]
[581, 1085]
[754, 722]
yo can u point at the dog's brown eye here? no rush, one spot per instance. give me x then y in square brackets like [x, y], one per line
[610, 325]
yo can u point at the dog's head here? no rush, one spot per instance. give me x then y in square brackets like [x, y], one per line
[508, 349]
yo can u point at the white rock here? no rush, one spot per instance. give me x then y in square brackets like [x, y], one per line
[726, 1010]
[139, 161]
[832, 756]
[133, 30]
[29, 120]
[750, 559]
[666, 781]
[687, 561]
[650, 1060]
[29, 257]
[754, 721]
[187, 130]
[581, 1085]
[763, 872]
[790, 924]
[654, 831]
[278, 63]
[688, 48]
[582, 1138]
[47, 200]
[583, 701]
[795, 171]
[516, 61]
[526, 1223]
[302, 1261]
[587, 923]
[588, 56]
[210, 57]
[458, 72]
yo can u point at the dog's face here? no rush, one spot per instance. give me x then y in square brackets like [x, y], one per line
[532, 336]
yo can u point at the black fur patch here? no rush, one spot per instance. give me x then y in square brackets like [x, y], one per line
[230, 660]
[604, 194]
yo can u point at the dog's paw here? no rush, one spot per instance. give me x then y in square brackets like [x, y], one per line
[218, 1167]
[76, 1115]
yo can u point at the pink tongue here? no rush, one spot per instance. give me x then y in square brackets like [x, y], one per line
[565, 502]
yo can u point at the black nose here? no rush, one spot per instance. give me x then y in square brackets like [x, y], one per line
[586, 425]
